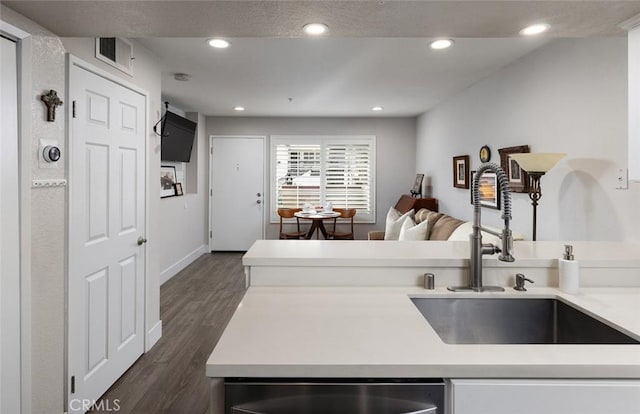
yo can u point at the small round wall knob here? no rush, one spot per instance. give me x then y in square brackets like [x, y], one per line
[51, 153]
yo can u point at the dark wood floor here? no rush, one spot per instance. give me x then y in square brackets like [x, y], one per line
[195, 307]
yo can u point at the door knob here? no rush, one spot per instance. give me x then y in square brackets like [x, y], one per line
[258, 195]
[258, 201]
[141, 241]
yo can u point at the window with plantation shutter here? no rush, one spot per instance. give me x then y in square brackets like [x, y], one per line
[348, 174]
[297, 177]
[317, 170]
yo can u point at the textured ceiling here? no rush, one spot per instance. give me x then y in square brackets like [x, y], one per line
[386, 18]
[326, 77]
[374, 54]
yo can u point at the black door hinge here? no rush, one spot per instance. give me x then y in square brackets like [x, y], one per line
[73, 109]
[73, 384]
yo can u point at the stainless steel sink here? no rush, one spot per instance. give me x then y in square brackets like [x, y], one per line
[515, 321]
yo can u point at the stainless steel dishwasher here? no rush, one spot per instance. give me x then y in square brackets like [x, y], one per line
[334, 396]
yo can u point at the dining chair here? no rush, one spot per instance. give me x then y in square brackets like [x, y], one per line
[287, 213]
[345, 214]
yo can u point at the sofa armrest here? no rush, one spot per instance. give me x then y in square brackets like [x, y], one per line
[376, 235]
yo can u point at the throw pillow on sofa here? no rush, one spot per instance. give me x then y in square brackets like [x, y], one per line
[394, 223]
[412, 231]
[443, 228]
[427, 215]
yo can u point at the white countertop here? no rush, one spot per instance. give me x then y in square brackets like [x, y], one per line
[350, 253]
[378, 332]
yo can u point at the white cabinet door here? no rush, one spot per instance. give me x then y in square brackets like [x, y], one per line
[545, 396]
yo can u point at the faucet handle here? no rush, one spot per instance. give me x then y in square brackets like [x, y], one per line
[507, 246]
[520, 282]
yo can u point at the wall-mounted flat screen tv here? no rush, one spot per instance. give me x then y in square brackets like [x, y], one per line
[178, 134]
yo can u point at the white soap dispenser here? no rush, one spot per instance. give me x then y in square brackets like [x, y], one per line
[568, 272]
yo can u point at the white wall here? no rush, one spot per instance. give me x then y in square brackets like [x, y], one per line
[183, 234]
[395, 145]
[568, 96]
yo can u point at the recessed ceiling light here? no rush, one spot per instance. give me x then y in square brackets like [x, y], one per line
[218, 43]
[377, 108]
[238, 108]
[315, 29]
[441, 44]
[535, 29]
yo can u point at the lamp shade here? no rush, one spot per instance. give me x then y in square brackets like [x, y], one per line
[537, 161]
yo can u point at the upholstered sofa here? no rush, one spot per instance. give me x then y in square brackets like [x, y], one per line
[441, 226]
[444, 227]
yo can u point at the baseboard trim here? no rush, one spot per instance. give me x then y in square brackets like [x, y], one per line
[153, 335]
[175, 268]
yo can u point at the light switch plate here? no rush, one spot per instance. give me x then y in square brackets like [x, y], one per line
[622, 179]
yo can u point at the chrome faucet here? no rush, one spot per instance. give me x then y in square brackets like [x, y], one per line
[478, 249]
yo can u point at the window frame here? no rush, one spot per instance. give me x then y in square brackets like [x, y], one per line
[322, 141]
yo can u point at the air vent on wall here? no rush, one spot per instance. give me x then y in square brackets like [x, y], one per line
[117, 52]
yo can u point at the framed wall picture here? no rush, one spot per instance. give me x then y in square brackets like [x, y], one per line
[487, 189]
[417, 185]
[518, 179]
[461, 171]
[167, 181]
[179, 191]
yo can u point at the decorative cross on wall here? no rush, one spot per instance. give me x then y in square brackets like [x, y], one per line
[51, 100]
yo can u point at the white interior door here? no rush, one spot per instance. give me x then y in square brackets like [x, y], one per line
[9, 232]
[237, 192]
[106, 231]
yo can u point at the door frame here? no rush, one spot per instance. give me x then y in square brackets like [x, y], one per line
[263, 138]
[75, 61]
[23, 49]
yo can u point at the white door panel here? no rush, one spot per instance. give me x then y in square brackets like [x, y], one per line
[237, 183]
[9, 232]
[106, 264]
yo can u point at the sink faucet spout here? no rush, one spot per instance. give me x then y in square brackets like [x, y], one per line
[477, 248]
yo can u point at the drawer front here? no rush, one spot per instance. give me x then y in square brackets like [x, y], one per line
[545, 396]
[311, 397]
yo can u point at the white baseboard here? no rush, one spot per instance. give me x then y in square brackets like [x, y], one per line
[153, 335]
[173, 270]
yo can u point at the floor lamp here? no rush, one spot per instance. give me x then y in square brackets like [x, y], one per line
[536, 165]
